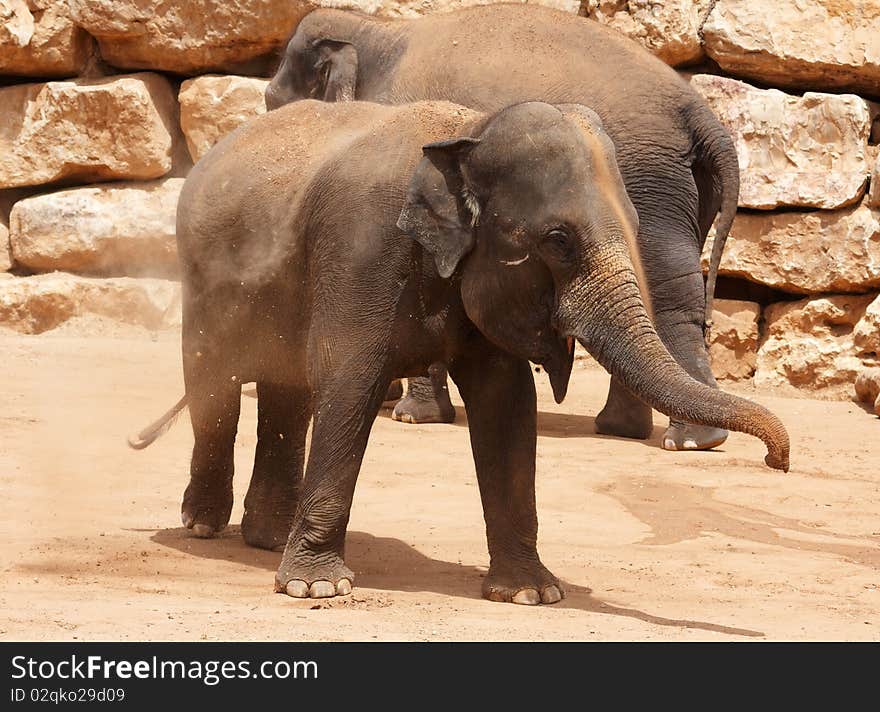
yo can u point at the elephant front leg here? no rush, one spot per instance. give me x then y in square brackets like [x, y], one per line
[313, 563]
[426, 399]
[499, 395]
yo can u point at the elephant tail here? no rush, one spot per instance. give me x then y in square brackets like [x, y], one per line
[157, 428]
[718, 152]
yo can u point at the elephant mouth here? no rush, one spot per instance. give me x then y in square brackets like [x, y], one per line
[558, 365]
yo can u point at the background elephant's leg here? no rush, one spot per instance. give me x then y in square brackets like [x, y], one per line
[670, 242]
[426, 399]
[214, 409]
[313, 563]
[624, 415]
[499, 394]
[680, 325]
[283, 414]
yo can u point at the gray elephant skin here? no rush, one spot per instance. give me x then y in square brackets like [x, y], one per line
[678, 162]
[327, 249]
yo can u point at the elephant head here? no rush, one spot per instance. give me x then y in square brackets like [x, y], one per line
[529, 211]
[318, 62]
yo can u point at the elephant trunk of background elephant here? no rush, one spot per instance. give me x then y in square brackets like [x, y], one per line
[606, 314]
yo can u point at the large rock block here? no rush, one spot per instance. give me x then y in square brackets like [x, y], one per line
[5, 254]
[16, 23]
[671, 30]
[417, 8]
[188, 37]
[802, 44]
[866, 335]
[805, 252]
[36, 304]
[874, 194]
[867, 387]
[211, 107]
[115, 128]
[108, 229]
[810, 344]
[38, 39]
[733, 339]
[809, 151]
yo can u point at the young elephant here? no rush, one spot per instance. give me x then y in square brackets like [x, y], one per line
[323, 256]
[678, 162]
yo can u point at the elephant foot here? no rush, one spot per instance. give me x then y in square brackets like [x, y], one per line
[394, 393]
[424, 410]
[206, 509]
[685, 436]
[268, 512]
[322, 579]
[266, 530]
[637, 425]
[526, 587]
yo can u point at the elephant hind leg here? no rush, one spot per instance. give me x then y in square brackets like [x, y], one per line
[682, 331]
[214, 410]
[283, 415]
[624, 415]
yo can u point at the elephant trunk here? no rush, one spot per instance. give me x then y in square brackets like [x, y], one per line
[607, 315]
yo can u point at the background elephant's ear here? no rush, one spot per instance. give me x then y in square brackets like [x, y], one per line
[337, 66]
[440, 212]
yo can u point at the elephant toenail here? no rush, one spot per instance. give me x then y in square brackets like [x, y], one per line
[297, 589]
[690, 444]
[551, 594]
[527, 597]
[343, 588]
[669, 444]
[322, 589]
[203, 531]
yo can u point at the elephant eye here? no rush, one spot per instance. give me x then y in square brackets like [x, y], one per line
[557, 245]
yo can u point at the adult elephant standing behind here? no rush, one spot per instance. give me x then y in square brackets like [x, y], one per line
[678, 162]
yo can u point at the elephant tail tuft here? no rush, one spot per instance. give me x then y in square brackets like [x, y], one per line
[157, 428]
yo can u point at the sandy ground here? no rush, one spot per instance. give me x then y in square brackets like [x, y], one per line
[651, 545]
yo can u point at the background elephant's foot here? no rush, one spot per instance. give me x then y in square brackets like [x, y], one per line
[414, 411]
[313, 575]
[686, 436]
[206, 508]
[268, 514]
[624, 415]
[426, 400]
[528, 585]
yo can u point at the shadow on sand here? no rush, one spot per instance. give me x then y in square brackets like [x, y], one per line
[555, 425]
[380, 562]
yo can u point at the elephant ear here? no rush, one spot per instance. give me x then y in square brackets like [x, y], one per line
[337, 65]
[440, 212]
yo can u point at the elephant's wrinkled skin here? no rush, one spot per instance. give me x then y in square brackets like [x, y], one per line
[677, 161]
[322, 256]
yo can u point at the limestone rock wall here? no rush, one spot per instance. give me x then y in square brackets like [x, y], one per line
[38, 38]
[104, 104]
